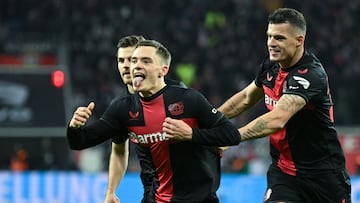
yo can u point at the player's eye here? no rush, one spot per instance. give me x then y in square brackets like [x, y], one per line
[121, 60]
[133, 60]
[146, 61]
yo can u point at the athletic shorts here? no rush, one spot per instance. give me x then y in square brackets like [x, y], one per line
[331, 187]
[150, 199]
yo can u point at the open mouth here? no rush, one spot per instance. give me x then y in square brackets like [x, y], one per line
[138, 78]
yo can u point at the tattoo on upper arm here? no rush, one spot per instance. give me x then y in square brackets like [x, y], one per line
[291, 103]
[255, 131]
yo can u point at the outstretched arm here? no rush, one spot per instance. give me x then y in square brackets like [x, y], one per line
[262, 126]
[274, 120]
[117, 167]
[241, 101]
[223, 134]
[80, 136]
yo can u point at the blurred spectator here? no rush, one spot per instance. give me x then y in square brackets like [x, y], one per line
[186, 73]
[91, 160]
[48, 159]
[19, 160]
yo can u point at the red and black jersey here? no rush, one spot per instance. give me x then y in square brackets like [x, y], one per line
[148, 175]
[309, 142]
[186, 171]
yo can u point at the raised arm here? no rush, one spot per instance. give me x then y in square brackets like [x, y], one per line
[81, 136]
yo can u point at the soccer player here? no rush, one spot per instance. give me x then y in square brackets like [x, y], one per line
[308, 163]
[186, 171]
[120, 151]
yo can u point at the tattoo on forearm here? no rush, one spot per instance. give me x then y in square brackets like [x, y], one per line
[256, 131]
[290, 103]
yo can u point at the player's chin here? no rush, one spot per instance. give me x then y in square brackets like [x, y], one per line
[127, 81]
[138, 88]
[274, 58]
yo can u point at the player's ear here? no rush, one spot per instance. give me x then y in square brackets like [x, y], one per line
[164, 71]
[300, 40]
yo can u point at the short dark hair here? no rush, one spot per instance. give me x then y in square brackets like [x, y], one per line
[161, 50]
[288, 15]
[129, 41]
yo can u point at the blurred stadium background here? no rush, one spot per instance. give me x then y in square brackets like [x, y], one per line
[56, 55]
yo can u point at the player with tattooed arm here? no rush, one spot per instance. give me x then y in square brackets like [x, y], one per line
[308, 163]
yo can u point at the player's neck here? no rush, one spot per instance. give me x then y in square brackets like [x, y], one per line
[152, 91]
[130, 89]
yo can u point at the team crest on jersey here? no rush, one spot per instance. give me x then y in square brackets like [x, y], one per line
[176, 108]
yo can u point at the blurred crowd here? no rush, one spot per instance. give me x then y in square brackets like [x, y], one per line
[217, 47]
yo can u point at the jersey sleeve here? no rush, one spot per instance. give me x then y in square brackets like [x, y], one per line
[93, 134]
[115, 113]
[121, 137]
[214, 128]
[110, 125]
[307, 83]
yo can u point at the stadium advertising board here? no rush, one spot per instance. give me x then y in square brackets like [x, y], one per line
[31, 100]
[74, 187]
